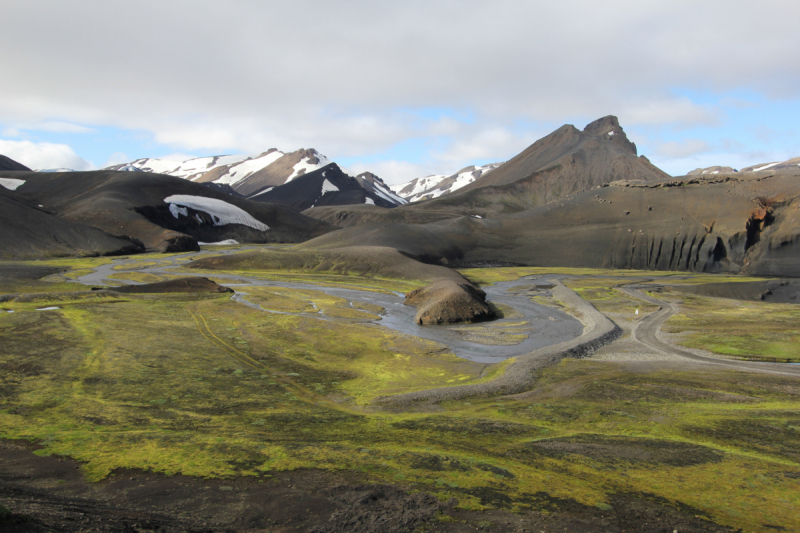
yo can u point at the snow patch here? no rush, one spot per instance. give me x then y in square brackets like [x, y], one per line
[263, 192]
[221, 212]
[307, 166]
[220, 243]
[369, 201]
[765, 167]
[177, 211]
[610, 133]
[327, 186]
[48, 308]
[11, 183]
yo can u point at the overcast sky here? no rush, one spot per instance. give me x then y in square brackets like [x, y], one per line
[404, 88]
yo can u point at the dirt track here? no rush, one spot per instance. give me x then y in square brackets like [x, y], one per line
[648, 332]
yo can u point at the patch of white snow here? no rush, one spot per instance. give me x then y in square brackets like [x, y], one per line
[369, 201]
[48, 308]
[220, 243]
[765, 167]
[11, 183]
[327, 186]
[176, 211]
[222, 212]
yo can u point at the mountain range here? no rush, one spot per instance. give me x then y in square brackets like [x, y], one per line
[573, 198]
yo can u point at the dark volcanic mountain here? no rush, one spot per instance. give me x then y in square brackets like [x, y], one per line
[569, 161]
[564, 163]
[327, 186]
[6, 163]
[740, 222]
[163, 212]
[28, 231]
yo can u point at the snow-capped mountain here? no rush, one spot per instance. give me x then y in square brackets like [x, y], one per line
[793, 163]
[252, 176]
[779, 165]
[330, 186]
[441, 184]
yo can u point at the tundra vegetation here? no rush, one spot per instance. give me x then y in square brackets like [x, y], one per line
[201, 385]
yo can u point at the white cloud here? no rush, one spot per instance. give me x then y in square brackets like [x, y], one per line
[60, 127]
[40, 156]
[682, 149]
[392, 172]
[343, 87]
[117, 158]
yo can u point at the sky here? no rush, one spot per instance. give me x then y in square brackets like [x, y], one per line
[405, 88]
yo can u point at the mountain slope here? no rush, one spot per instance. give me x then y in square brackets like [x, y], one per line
[328, 186]
[599, 154]
[164, 212]
[6, 163]
[440, 184]
[740, 223]
[28, 231]
[558, 166]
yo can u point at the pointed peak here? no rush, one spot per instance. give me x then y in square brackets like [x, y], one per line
[609, 128]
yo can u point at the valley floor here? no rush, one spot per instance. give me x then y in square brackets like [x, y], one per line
[194, 412]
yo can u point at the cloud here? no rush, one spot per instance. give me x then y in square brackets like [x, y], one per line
[392, 172]
[40, 156]
[346, 78]
[117, 158]
[682, 149]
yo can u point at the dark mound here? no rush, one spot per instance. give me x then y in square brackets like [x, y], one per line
[28, 231]
[372, 261]
[355, 215]
[188, 284]
[325, 186]
[6, 163]
[747, 223]
[447, 302]
[132, 204]
[775, 291]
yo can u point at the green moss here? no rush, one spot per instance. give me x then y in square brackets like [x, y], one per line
[201, 385]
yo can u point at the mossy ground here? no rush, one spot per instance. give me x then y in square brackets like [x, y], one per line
[744, 329]
[201, 385]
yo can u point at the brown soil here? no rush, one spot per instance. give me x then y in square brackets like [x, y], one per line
[447, 301]
[50, 494]
[189, 284]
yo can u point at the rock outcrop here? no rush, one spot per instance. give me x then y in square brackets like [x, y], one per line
[448, 301]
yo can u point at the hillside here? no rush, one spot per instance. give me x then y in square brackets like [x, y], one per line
[164, 212]
[6, 163]
[740, 223]
[563, 163]
[28, 231]
[438, 185]
[328, 185]
[250, 176]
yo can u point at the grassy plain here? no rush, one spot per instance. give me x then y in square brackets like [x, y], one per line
[204, 386]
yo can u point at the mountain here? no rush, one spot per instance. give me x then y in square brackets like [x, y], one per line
[441, 184]
[569, 160]
[712, 170]
[329, 185]
[793, 164]
[165, 213]
[6, 163]
[789, 164]
[252, 176]
[557, 166]
[28, 231]
[745, 222]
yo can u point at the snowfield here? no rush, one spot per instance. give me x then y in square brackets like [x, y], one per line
[11, 183]
[433, 186]
[222, 212]
[327, 186]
